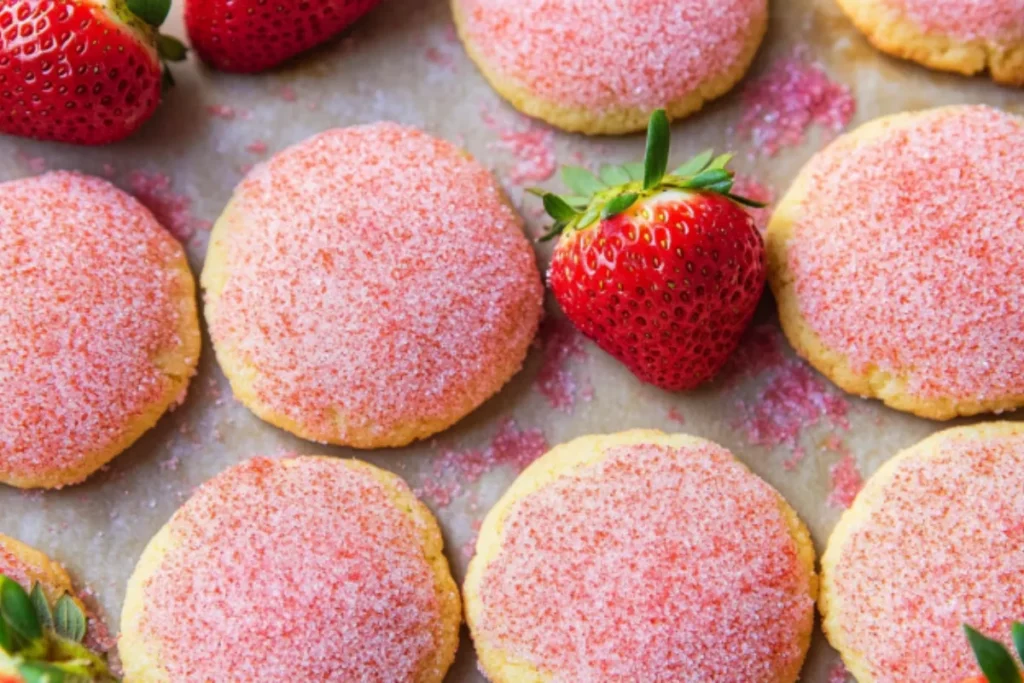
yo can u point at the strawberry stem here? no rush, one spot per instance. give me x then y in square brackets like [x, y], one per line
[993, 658]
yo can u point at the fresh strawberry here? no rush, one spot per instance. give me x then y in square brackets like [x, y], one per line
[994, 660]
[662, 271]
[247, 36]
[82, 71]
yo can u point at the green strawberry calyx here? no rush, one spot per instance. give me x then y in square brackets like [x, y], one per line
[40, 643]
[994, 660]
[616, 188]
[148, 16]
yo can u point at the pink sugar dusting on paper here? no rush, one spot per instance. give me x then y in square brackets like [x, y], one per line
[838, 673]
[532, 145]
[760, 350]
[747, 186]
[676, 416]
[794, 398]
[511, 446]
[560, 342]
[288, 94]
[221, 111]
[780, 106]
[257, 147]
[35, 164]
[173, 210]
[846, 482]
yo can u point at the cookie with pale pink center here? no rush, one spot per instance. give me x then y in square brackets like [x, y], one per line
[301, 569]
[641, 556]
[370, 286]
[602, 66]
[935, 540]
[897, 260]
[949, 35]
[99, 333]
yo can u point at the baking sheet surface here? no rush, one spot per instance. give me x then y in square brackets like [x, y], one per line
[404, 63]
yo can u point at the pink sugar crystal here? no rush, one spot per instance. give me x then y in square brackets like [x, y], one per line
[171, 209]
[559, 342]
[838, 673]
[221, 111]
[510, 447]
[780, 106]
[846, 482]
[760, 350]
[532, 145]
[257, 147]
[35, 164]
[676, 416]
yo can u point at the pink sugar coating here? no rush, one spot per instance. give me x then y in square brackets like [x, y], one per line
[909, 254]
[304, 571]
[655, 564]
[608, 55]
[559, 342]
[1000, 21]
[511, 446]
[780, 106]
[943, 547]
[172, 209]
[845, 481]
[86, 302]
[377, 269]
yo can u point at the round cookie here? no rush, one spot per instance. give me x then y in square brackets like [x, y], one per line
[641, 556]
[602, 66]
[949, 35]
[369, 287]
[897, 260]
[99, 333]
[27, 566]
[304, 569]
[935, 540]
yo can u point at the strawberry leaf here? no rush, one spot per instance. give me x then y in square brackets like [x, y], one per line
[7, 643]
[17, 610]
[659, 140]
[745, 201]
[993, 658]
[635, 170]
[554, 232]
[1018, 639]
[153, 12]
[695, 165]
[721, 161]
[42, 607]
[69, 620]
[581, 181]
[708, 177]
[591, 215]
[619, 204]
[170, 48]
[577, 202]
[558, 209]
[614, 175]
[41, 672]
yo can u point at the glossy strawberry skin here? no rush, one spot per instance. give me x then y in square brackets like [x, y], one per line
[247, 36]
[667, 287]
[70, 72]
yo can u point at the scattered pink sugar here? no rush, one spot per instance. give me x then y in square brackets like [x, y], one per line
[35, 164]
[838, 673]
[944, 542]
[170, 464]
[469, 547]
[559, 342]
[94, 302]
[257, 147]
[510, 447]
[436, 56]
[780, 106]
[288, 94]
[221, 111]
[532, 145]
[654, 564]
[422, 336]
[676, 416]
[171, 209]
[903, 255]
[363, 607]
[610, 55]
[846, 482]
[794, 399]
[98, 636]
[747, 186]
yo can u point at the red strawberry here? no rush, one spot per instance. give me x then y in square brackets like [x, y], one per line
[83, 71]
[247, 36]
[662, 271]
